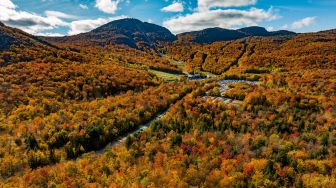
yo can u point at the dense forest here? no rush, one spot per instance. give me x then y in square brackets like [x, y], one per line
[76, 112]
[305, 51]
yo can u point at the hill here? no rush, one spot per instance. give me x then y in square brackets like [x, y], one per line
[302, 51]
[130, 32]
[19, 46]
[211, 35]
[254, 31]
[12, 37]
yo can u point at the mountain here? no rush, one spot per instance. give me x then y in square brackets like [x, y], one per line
[130, 32]
[142, 35]
[331, 31]
[211, 35]
[17, 46]
[12, 37]
[282, 33]
[254, 31]
[262, 32]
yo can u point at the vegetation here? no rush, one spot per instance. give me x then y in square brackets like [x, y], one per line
[62, 105]
[276, 138]
[295, 52]
[165, 76]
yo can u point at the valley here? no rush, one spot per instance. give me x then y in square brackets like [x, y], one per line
[129, 104]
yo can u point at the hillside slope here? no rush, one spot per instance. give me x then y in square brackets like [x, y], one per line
[12, 37]
[302, 51]
[19, 46]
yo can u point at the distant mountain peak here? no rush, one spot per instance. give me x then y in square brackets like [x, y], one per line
[216, 34]
[254, 31]
[126, 22]
[135, 33]
[210, 35]
[129, 31]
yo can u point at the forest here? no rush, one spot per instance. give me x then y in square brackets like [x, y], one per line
[305, 51]
[77, 114]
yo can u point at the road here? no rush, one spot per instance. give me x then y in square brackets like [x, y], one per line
[122, 139]
[142, 128]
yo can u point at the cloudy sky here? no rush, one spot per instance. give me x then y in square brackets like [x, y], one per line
[69, 17]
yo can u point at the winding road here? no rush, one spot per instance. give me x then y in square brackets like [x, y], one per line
[122, 139]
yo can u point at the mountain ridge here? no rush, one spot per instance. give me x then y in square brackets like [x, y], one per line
[143, 35]
[10, 37]
[217, 34]
[129, 31]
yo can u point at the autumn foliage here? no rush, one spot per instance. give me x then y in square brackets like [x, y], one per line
[62, 104]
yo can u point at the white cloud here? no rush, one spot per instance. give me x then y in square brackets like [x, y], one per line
[228, 18]
[207, 4]
[175, 7]
[50, 34]
[82, 6]
[270, 28]
[305, 22]
[82, 26]
[108, 6]
[286, 26]
[299, 24]
[41, 25]
[28, 21]
[7, 4]
[57, 14]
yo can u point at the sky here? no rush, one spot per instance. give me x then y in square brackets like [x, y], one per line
[70, 17]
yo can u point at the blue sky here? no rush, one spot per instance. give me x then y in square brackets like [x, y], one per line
[68, 17]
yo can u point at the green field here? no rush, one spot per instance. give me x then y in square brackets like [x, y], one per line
[168, 77]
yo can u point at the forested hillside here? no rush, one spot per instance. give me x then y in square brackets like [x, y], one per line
[124, 106]
[18, 46]
[304, 51]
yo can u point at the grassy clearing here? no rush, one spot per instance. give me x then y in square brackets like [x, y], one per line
[168, 77]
